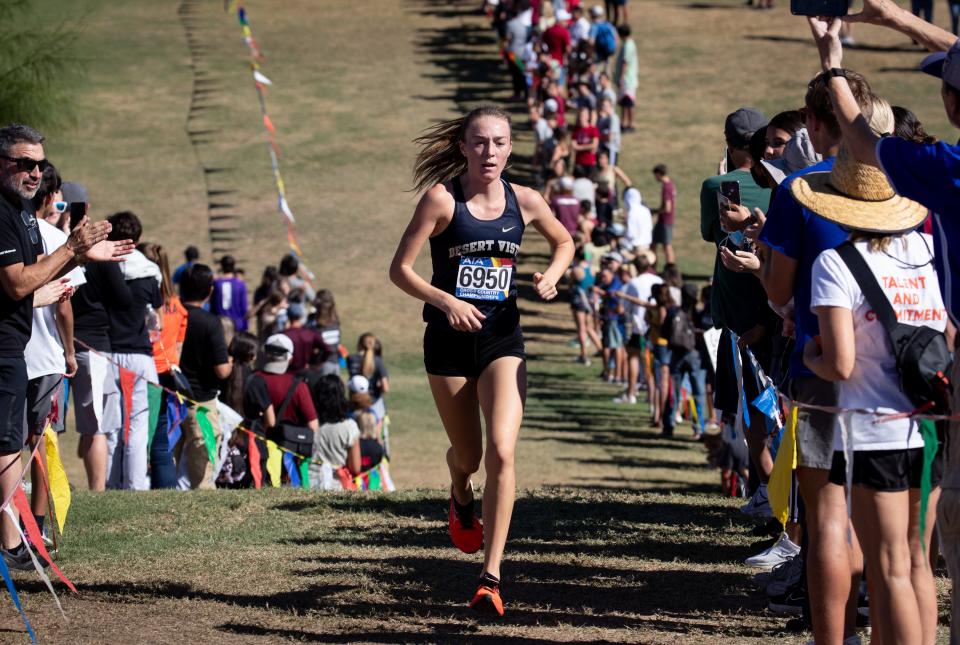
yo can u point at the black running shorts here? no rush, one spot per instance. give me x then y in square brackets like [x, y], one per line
[447, 352]
[886, 470]
[13, 397]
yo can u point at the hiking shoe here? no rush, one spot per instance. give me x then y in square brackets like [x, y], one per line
[759, 504]
[466, 531]
[789, 603]
[785, 576]
[18, 558]
[583, 361]
[783, 550]
[487, 599]
[626, 398]
[849, 640]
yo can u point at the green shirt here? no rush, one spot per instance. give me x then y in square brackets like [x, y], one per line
[738, 301]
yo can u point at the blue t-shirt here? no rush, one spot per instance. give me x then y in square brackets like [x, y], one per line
[930, 174]
[612, 302]
[802, 235]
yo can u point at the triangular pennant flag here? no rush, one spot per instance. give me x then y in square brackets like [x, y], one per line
[60, 496]
[26, 516]
[268, 124]
[209, 438]
[274, 463]
[253, 453]
[5, 572]
[246, 32]
[242, 15]
[780, 484]
[127, 380]
[260, 78]
[176, 413]
[305, 473]
[154, 401]
[290, 464]
[285, 209]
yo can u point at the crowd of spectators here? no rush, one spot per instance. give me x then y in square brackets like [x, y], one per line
[95, 315]
[784, 316]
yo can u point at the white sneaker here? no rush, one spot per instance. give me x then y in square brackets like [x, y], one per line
[759, 505]
[779, 553]
[625, 398]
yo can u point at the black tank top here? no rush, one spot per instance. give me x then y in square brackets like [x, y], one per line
[475, 261]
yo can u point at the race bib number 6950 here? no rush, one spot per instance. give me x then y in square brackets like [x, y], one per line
[484, 278]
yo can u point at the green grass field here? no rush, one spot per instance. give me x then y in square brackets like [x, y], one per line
[618, 535]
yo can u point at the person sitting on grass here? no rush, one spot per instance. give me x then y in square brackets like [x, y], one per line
[337, 441]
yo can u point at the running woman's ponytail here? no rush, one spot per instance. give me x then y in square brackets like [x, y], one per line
[440, 159]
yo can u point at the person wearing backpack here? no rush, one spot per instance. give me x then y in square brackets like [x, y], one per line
[865, 292]
[681, 337]
[603, 35]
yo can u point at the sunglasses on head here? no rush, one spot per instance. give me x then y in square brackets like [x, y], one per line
[26, 164]
[32, 228]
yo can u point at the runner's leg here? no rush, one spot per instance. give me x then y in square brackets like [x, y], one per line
[456, 400]
[501, 389]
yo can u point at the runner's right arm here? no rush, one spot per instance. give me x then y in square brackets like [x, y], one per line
[431, 217]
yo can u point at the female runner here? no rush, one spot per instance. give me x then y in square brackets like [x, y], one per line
[473, 347]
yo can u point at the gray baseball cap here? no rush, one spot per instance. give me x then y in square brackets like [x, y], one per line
[740, 125]
[74, 192]
[945, 65]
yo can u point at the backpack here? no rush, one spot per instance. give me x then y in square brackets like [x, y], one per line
[678, 330]
[299, 439]
[921, 353]
[606, 41]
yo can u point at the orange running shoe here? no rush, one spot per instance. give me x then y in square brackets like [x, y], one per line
[466, 531]
[487, 599]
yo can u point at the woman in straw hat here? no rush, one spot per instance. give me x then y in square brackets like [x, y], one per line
[853, 349]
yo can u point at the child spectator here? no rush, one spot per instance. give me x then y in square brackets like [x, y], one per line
[368, 362]
[167, 346]
[230, 294]
[337, 441]
[371, 441]
[205, 363]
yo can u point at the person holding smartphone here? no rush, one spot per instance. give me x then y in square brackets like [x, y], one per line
[738, 302]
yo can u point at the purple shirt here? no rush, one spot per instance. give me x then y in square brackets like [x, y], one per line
[230, 299]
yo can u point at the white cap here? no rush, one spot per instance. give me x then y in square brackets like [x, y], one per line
[358, 384]
[563, 15]
[596, 11]
[566, 183]
[278, 351]
[550, 106]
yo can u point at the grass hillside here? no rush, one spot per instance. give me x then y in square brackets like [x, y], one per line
[618, 535]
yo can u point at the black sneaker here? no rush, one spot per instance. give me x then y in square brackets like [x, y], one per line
[18, 558]
[789, 603]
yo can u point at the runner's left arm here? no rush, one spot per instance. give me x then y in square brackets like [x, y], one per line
[536, 211]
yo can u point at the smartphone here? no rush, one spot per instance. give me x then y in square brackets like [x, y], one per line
[731, 190]
[78, 210]
[819, 7]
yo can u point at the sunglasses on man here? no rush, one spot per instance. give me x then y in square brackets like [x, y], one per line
[32, 227]
[26, 164]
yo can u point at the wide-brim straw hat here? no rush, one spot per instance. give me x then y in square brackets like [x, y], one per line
[857, 196]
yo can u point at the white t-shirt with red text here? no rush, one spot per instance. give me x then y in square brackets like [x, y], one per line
[907, 276]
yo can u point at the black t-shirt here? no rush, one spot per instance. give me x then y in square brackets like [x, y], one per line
[128, 325]
[203, 347]
[256, 397]
[17, 223]
[104, 290]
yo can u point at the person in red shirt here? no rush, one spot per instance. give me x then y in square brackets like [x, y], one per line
[557, 37]
[663, 231]
[586, 140]
[301, 411]
[565, 206]
[307, 342]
